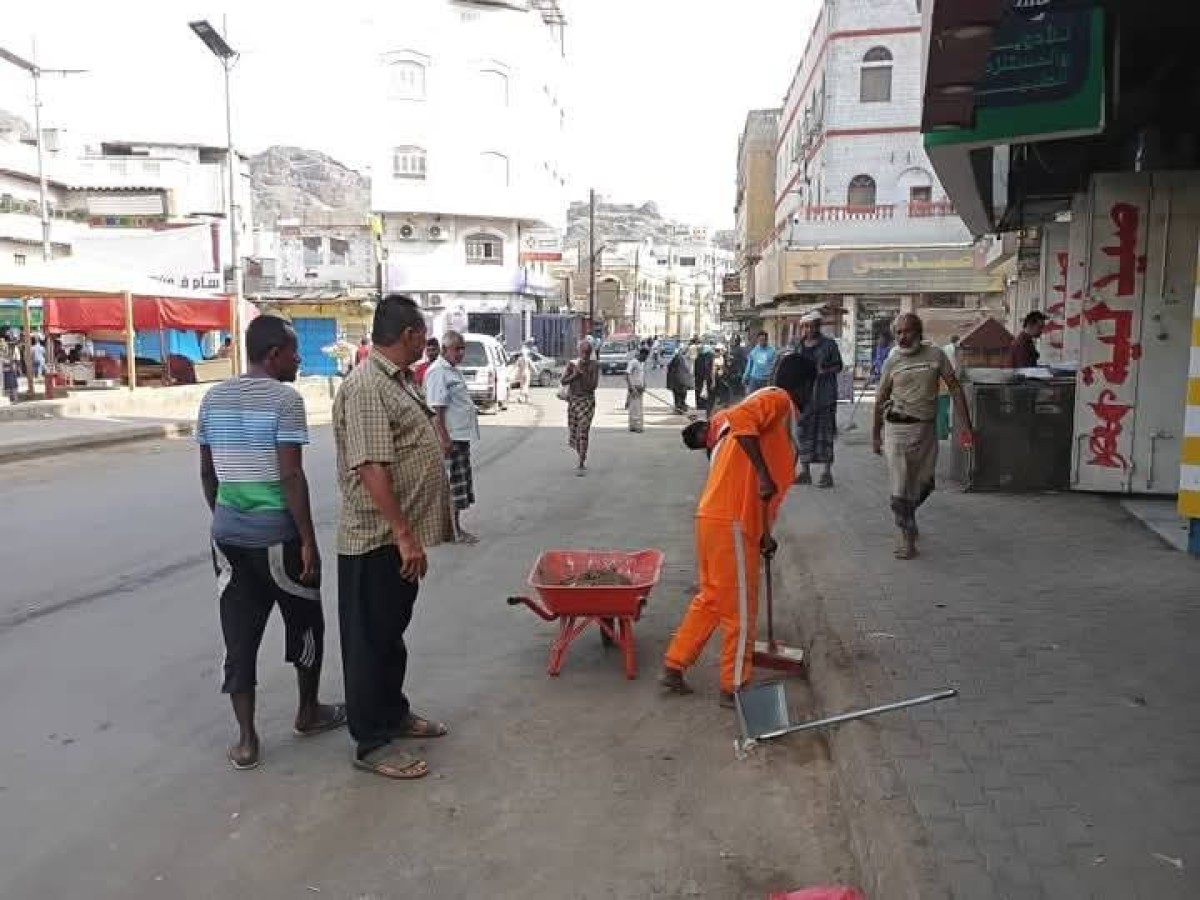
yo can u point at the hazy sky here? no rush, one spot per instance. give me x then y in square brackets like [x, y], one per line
[659, 88]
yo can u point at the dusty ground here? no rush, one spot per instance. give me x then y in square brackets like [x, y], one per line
[113, 781]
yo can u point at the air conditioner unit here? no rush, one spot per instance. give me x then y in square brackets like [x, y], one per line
[437, 233]
[407, 232]
[434, 301]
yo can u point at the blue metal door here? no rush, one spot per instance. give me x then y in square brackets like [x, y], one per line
[315, 334]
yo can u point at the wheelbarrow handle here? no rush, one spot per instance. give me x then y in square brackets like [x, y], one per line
[537, 608]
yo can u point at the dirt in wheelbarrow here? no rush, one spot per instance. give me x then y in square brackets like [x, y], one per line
[596, 578]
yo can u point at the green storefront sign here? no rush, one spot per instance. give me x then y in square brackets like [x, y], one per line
[1044, 79]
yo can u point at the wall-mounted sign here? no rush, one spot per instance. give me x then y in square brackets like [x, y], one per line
[1043, 80]
[885, 272]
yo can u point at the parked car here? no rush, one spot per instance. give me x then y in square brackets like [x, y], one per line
[667, 348]
[547, 371]
[485, 368]
[615, 355]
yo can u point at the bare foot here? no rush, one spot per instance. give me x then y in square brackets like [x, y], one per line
[245, 754]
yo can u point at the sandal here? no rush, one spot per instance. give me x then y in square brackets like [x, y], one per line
[418, 727]
[244, 766]
[335, 720]
[393, 764]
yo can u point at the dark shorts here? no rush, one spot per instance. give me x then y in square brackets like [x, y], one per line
[250, 581]
[462, 481]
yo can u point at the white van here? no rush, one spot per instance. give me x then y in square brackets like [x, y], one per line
[483, 367]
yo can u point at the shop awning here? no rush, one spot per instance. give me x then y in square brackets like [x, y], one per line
[83, 296]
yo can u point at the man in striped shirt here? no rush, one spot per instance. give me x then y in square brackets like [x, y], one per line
[251, 432]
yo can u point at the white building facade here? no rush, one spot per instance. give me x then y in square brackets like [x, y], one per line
[861, 221]
[469, 152]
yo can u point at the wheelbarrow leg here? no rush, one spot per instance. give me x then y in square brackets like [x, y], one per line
[627, 645]
[569, 628]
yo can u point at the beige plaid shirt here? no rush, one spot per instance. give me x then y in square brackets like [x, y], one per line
[379, 418]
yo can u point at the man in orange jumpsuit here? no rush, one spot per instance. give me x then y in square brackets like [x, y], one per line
[753, 461]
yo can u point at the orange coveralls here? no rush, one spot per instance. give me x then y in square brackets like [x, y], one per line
[730, 510]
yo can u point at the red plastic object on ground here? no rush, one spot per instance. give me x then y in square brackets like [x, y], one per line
[828, 892]
[613, 608]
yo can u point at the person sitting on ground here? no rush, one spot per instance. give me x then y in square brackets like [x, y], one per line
[752, 468]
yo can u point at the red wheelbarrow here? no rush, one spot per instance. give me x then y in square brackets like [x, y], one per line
[556, 576]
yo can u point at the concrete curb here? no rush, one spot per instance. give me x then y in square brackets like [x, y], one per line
[895, 861]
[127, 434]
[77, 443]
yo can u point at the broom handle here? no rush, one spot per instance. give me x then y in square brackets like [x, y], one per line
[769, 585]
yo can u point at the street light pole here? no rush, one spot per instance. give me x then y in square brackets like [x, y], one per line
[215, 41]
[591, 261]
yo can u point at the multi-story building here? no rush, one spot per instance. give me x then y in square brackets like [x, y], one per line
[861, 223]
[468, 152]
[753, 209]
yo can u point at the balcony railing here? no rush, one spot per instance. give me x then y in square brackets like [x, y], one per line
[930, 209]
[849, 213]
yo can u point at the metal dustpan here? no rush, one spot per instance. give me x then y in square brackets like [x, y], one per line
[763, 715]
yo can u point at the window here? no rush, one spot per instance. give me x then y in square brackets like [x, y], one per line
[406, 79]
[339, 252]
[18, 259]
[875, 78]
[921, 194]
[494, 169]
[312, 251]
[408, 162]
[491, 88]
[485, 250]
[861, 191]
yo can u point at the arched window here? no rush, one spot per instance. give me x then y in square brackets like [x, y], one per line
[875, 77]
[861, 191]
[492, 88]
[408, 162]
[406, 79]
[493, 169]
[484, 249]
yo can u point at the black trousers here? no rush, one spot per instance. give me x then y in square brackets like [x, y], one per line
[680, 399]
[375, 605]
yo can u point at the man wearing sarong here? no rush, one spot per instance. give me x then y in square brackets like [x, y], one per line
[818, 426]
[635, 381]
[581, 379]
[905, 432]
[752, 466]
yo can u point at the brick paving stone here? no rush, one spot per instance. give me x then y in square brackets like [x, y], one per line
[1069, 630]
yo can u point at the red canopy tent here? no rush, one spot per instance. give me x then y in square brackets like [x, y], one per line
[80, 295]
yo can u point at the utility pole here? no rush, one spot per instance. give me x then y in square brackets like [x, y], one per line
[591, 260]
[637, 286]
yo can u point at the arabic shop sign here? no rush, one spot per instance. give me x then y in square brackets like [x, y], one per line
[1043, 80]
[886, 271]
[896, 264]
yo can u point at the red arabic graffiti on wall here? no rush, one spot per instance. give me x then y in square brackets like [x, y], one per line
[1113, 328]
[1057, 311]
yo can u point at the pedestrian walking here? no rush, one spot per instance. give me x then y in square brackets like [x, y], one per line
[760, 363]
[251, 431]
[524, 364]
[752, 466]
[904, 431]
[9, 365]
[395, 505]
[433, 349]
[817, 429]
[362, 351]
[457, 424]
[581, 378]
[39, 357]
[635, 380]
[680, 379]
[702, 372]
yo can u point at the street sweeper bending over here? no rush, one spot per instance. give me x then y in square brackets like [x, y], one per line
[752, 465]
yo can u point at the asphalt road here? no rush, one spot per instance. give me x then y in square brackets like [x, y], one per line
[113, 780]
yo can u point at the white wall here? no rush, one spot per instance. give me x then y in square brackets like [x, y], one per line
[457, 120]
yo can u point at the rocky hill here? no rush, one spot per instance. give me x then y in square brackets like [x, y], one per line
[292, 182]
[619, 222]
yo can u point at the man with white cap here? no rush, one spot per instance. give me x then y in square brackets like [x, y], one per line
[817, 429]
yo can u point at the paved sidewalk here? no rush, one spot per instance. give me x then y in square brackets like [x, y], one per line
[54, 436]
[1068, 767]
